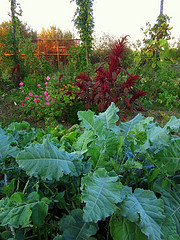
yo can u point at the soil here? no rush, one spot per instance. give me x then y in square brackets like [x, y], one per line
[10, 112]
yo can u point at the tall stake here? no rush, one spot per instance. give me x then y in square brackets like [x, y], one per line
[13, 18]
[161, 7]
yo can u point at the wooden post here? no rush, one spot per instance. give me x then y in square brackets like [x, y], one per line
[57, 49]
[38, 47]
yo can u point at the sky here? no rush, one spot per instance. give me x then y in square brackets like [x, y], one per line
[112, 17]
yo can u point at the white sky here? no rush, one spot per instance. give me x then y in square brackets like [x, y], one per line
[113, 17]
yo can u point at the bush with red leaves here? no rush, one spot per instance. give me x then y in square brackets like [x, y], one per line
[108, 84]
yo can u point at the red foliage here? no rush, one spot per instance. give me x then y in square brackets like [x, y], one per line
[106, 87]
[137, 95]
[15, 75]
[119, 48]
[130, 82]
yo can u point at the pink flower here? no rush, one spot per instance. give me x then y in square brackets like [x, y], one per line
[22, 91]
[46, 83]
[26, 97]
[46, 103]
[22, 104]
[45, 93]
[47, 99]
[38, 85]
[21, 84]
[40, 95]
[20, 88]
[30, 94]
[35, 96]
[35, 100]
[47, 78]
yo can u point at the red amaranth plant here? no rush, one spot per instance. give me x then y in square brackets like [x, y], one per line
[109, 84]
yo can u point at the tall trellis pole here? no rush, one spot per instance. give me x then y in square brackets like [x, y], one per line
[161, 7]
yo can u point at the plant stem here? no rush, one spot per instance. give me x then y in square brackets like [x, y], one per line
[5, 183]
[25, 186]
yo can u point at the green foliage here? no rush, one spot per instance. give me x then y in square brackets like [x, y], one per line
[30, 66]
[128, 230]
[155, 63]
[106, 192]
[169, 158]
[55, 163]
[143, 208]
[83, 20]
[77, 62]
[17, 210]
[171, 202]
[97, 180]
[74, 227]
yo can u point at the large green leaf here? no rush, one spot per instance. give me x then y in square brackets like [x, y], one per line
[100, 193]
[156, 139]
[143, 208]
[126, 127]
[17, 210]
[90, 122]
[101, 150]
[109, 117]
[122, 229]
[47, 161]
[5, 146]
[97, 156]
[171, 198]
[109, 141]
[22, 132]
[74, 227]
[14, 214]
[168, 159]
[157, 136]
[106, 120]
[168, 227]
[173, 124]
[39, 212]
[2, 131]
[83, 141]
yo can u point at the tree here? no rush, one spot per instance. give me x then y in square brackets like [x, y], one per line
[52, 33]
[83, 20]
[55, 33]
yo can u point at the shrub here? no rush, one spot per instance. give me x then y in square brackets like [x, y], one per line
[47, 100]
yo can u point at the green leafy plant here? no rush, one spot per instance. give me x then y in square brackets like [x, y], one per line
[154, 63]
[84, 22]
[99, 180]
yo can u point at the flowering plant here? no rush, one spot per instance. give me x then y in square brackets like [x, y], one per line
[47, 100]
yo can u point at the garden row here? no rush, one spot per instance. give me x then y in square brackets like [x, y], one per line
[102, 179]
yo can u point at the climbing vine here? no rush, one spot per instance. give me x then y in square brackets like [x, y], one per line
[84, 22]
